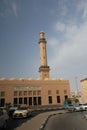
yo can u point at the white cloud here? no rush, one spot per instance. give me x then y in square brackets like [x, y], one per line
[53, 42]
[70, 54]
[60, 27]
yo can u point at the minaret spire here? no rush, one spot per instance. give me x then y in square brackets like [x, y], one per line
[44, 68]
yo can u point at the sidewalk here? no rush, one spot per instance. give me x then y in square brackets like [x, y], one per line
[37, 122]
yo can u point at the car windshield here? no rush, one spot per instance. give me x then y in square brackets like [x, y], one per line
[23, 108]
[77, 105]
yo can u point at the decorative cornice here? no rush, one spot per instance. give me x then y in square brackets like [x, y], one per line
[83, 80]
[42, 40]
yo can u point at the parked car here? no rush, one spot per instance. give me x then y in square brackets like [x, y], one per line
[83, 107]
[73, 107]
[77, 107]
[22, 112]
[3, 118]
[70, 107]
[12, 109]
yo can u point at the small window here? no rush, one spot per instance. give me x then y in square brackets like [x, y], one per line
[30, 93]
[57, 91]
[65, 91]
[20, 93]
[2, 93]
[34, 92]
[39, 92]
[66, 97]
[15, 93]
[49, 92]
[25, 93]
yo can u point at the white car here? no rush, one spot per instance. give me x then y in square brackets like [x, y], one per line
[3, 118]
[76, 107]
[22, 112]
[83, 107]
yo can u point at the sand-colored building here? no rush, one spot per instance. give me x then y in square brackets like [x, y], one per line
[41, 91]
[84, 90]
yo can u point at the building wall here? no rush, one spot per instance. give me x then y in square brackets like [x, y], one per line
[34, 92]
[84, 90]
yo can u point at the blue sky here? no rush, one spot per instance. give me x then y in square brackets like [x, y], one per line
[65, 25]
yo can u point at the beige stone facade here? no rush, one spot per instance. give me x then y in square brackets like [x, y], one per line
[42, 91]
[84, 90]
[34, 92]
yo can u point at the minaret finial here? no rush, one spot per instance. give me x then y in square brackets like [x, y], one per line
[41, 35]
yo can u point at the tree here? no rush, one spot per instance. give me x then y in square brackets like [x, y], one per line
[69, 100]
[76, 100]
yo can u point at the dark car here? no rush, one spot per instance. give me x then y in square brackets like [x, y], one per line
[12, 109]
[3, 118]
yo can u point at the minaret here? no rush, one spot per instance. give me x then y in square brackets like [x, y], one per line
[44, 68]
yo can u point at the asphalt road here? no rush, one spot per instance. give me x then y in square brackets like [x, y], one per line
[67, 121]
[14, 123]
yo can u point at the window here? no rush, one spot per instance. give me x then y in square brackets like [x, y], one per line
[39, 92]
[44, 57]
[20, 101]
[50, 99]
[34, 100]
[25, 100]
[30, 93]
[34, 92]
[65, 91]
[45, 75]
[15, 93]
[39, 100]
[15, 100]
[49, 92]
[2, 93]
[20, 93]
[30, 101]
[57, 91]
[58, 99]
[66, 97]
[25, 93]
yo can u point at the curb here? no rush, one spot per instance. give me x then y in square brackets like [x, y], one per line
[44, 123]
[46, 120]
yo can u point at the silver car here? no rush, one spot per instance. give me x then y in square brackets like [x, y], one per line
[73, 107]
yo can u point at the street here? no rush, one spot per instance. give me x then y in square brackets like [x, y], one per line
[14, 123]
[67, 121]
[58, 120]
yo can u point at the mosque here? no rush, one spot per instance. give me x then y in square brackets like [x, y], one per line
[41, 92]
